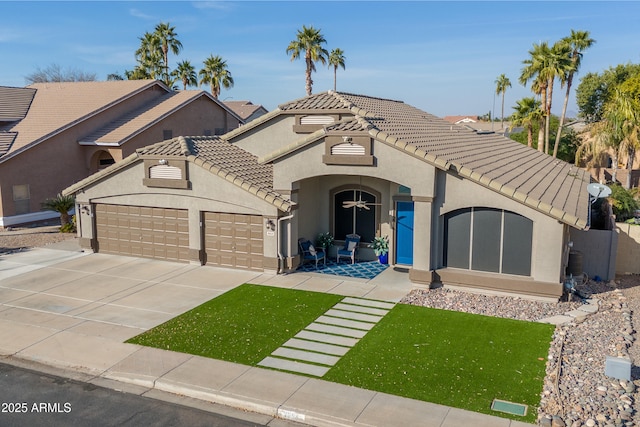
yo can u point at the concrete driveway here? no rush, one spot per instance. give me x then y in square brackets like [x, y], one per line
[73, 311]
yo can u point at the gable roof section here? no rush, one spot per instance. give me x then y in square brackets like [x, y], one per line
[528, 176]
[58, 106]
[15, 102]
[244, 109]
[214, 155]
[129, 125]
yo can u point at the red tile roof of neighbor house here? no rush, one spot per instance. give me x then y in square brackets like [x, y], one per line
[516, 171]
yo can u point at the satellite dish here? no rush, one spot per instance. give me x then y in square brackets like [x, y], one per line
[598, 191]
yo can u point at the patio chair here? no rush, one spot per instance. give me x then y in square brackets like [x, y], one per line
[349, 249]
[309, 253]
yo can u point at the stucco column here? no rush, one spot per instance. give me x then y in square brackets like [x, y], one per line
[196, 251]
[422, 235]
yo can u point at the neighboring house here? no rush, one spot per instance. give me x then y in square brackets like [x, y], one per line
[460, 207]
[474, 123]
[54, 134]
[246, 110]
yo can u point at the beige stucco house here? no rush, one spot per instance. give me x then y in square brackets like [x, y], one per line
[460, 207]
[55, 134]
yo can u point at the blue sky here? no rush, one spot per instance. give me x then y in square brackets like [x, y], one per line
[442, 57]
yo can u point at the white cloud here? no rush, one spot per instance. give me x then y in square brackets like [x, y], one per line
[138, 14]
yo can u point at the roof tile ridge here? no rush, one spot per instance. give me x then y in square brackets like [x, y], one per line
[184, 145]
[358, 111]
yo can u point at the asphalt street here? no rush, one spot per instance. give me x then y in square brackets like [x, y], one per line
[35, 399]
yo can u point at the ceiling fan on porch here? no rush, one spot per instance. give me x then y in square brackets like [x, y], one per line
[360, 204]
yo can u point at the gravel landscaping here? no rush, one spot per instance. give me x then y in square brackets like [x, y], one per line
[576, 391]
[22, 238]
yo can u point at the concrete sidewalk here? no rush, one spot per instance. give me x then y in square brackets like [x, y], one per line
[62, 308]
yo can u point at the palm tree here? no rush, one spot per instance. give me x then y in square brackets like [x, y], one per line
[502, 83]
[623, 110]
[167, 37]
[62, 205]
[527, 112]
[578, 41]
[533, 71]
[310, 41]
[216, 74]
[186, 73]
[545, 64]
[336, 59]
[149, 57]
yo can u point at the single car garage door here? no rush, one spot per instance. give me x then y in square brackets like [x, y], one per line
[233, 240]
[143, 232]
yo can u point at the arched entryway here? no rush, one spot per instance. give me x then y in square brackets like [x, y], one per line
[101, 160]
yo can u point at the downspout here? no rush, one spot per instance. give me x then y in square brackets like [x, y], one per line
[278, 243]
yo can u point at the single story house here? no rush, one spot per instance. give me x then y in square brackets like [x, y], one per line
[55, 134]
[459, 207]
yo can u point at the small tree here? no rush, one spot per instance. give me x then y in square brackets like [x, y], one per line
[62, 205]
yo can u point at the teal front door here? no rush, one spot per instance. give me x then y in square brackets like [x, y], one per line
[404, 233]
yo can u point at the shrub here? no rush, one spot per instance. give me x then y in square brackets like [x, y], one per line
[623, 202]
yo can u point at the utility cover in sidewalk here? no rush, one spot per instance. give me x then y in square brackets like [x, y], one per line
[509, 407]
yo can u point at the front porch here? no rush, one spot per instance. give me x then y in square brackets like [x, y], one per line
[360, 270]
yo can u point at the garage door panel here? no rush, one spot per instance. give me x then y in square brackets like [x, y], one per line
[233, 240]
[139, 231]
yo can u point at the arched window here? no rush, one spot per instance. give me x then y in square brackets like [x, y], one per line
[359, 220]
[487, 239]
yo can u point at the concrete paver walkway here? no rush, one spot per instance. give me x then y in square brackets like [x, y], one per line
[73, 311]
[351, 319]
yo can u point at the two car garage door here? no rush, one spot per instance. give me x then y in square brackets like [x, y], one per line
[230, 240]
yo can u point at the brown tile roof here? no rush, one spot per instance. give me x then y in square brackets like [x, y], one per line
[213, 154]
[14, 102]
[57, 106]
[535, 179]
[129, 125]
[6, 139]
[244, 109]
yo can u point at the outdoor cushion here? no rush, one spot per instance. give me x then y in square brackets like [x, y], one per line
[312, 250]
[351, 246]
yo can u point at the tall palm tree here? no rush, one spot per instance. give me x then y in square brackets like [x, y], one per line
[502, 83]
[579, 41]
[527, 112]
[542, 67]
[336, 59]
[216, 74]
[186, 73]
[167, 37]
[309, 40]
[149, 57]
[532, 71]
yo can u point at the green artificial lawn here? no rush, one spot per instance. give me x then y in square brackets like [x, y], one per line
[455, 359]
[243, 325]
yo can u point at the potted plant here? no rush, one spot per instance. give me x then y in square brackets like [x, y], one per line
[324, 241]
[380, 247]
